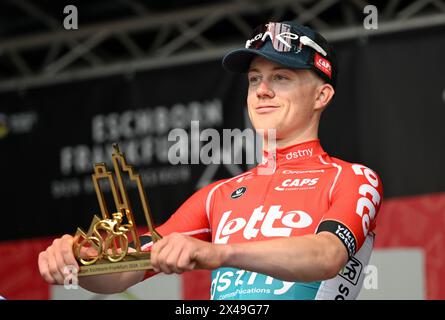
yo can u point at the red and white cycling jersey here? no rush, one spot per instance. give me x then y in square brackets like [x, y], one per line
[297, 191]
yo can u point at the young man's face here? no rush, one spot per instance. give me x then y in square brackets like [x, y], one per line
[282, 99]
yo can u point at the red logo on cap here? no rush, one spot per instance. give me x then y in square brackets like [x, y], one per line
[323, 65]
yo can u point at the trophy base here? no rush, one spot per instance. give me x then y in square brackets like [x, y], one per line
[131, 262]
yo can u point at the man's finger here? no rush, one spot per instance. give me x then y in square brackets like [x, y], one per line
[172, 259]
[66, 249]
[162, 259]
[185, 262]
[44, 269]
[53, 267]
[58, 256]
[157, 247]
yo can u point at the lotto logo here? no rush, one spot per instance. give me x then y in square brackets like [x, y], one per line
[273, 223]
[366, 207]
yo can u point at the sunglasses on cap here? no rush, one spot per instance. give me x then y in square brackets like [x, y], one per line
[282, 37]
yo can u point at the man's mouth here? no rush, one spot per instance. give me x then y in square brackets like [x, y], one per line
[266, 108]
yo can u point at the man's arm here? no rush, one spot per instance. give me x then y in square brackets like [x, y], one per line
[190, 218]
[56, 257]
[305, 258]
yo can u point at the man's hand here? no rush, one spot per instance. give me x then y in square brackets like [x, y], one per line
[56, 257]
[177, 253]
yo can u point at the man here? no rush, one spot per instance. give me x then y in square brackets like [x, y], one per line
[302, 231]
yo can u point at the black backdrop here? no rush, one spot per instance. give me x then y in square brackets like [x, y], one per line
[387, 113]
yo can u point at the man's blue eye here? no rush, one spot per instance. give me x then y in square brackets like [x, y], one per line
[280, 77]
[254, 79]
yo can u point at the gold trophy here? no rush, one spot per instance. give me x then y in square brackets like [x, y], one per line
[108, 236]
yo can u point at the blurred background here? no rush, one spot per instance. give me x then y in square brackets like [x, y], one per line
[130, 71]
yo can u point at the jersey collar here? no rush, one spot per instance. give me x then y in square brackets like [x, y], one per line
[296, 152]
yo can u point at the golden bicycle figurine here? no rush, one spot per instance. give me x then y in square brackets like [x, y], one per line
[109, 236]
[108, 248]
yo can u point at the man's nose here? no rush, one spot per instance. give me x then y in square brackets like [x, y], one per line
[264, 90]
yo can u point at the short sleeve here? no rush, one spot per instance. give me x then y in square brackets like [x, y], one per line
[355, 203]
[190, 219]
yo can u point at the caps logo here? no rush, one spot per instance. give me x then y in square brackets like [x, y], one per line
[323, 65]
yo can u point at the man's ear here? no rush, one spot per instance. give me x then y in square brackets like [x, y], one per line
[324, 94]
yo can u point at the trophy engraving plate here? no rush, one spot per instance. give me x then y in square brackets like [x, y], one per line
[108, 237]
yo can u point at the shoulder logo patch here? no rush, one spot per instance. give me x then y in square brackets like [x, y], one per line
[238, 192]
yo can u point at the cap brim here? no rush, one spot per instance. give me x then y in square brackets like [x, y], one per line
[239, 60]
